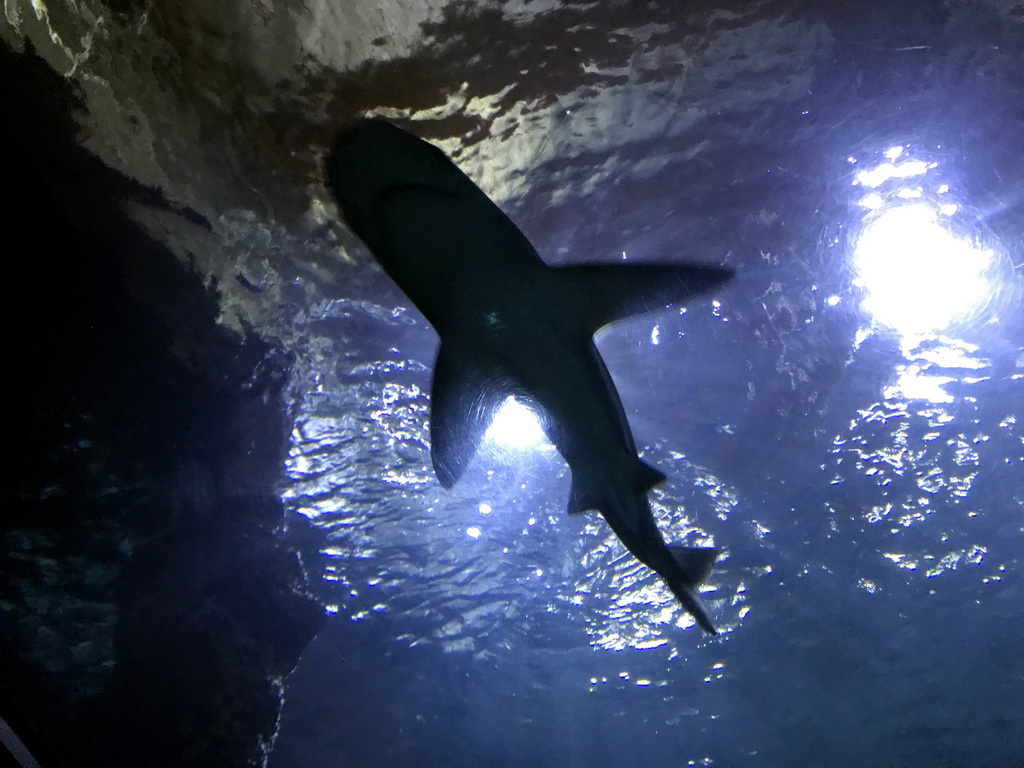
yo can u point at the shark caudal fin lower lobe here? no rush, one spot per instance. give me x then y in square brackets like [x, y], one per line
[694, 566]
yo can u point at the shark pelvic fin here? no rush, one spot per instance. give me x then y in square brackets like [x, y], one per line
[579, 500]
[612, 292]
[461, 406]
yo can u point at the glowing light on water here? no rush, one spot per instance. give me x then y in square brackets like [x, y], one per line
[878, 175]
[515, 426]
[919, 276]
[872, 201]
[914, 382]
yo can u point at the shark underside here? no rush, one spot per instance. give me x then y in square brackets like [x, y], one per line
[510, 324]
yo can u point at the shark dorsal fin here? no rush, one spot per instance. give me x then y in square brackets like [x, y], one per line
[612, 292]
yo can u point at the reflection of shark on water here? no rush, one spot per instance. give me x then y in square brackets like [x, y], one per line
[510, 324]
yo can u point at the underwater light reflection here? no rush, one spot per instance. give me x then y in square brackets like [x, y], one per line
[919, 276]
[516, 426]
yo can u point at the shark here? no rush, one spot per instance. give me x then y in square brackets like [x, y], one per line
[510, 324]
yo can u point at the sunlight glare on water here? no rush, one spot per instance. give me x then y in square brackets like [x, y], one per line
[919, 277]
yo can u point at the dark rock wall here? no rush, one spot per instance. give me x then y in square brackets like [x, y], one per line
[148, 605]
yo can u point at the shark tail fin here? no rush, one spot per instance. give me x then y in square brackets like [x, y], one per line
[695, 564]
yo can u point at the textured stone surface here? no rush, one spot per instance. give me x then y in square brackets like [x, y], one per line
[150, 608]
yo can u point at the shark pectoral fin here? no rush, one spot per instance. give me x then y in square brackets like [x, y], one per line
[461, 406]
[695, 562]
[612, 292]
[646, 477]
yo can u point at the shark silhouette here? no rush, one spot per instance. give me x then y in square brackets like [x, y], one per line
[510, 324]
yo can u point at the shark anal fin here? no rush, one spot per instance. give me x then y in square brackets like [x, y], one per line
[612, 292]
[580, 500]
[461, 406]
[695, 562]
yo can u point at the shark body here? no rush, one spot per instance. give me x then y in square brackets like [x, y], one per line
[510, 324]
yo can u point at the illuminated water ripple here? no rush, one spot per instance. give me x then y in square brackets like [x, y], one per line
[921, 457]
[909, 470]
[915, 469]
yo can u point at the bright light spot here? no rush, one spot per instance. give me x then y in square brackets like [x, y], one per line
[948, 209]
[953, 354]
[877, 176]
[515, 426]
[916, 384]
[916, 380]
[473, 532]
[485, 509]
[655, 335]
[943, 189]
[872, 201]
[833, 300]
[918, 275]
[893, 152]
[868, 586]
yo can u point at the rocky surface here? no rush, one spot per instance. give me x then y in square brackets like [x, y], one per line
[150, 607]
